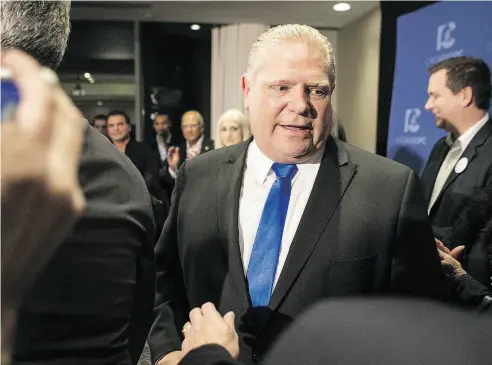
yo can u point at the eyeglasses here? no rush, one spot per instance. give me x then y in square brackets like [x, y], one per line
[193, 127]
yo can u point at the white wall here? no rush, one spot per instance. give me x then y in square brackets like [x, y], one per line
[358, 79]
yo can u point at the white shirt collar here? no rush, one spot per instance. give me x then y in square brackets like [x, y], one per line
[263, 165]
[467, 137]
[197, 145]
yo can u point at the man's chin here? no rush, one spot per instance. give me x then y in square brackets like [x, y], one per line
[440, 123]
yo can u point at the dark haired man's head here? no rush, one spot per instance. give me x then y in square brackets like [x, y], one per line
[162, 125]
[459, 92]
[99, 122]
[39, 28]
[119, 127]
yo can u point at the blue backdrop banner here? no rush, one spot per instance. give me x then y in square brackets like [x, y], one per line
[425, 37]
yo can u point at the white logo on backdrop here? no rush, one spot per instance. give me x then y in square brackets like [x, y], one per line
[444, 42]
[410, 127]
[411, 120]
[445, 39]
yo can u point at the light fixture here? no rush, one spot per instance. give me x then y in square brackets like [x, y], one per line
[87, 75]
[99, 103]
[342, 7]
[78, 91]
[195, 27]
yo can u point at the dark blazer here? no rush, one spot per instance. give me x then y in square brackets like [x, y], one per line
[364, 231]
[473, 229]
[147, 162]
[174, 141]
[376, 331]
[459, 187]
[92, 305]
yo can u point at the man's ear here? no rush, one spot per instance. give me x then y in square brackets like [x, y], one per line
[245, 86]
[466, 96]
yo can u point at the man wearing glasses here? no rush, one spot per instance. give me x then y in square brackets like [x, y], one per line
[193, 128]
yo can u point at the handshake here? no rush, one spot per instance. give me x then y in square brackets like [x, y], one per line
[206, 327]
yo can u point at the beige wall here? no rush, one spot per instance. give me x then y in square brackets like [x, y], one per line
[332, 36]
[358, 79]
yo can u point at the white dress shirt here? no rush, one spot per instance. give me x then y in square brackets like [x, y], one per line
[194, 150]
[162, 146]
[453, 156]
[257, 180]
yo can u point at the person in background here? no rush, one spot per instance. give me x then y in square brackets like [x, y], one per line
[100, 123]
[459, 164]
[195, 143]
[42, 192]
[193, 127]
[144, 158]
[467, 262]
[92, 302]
[233, 128]
[164, 138]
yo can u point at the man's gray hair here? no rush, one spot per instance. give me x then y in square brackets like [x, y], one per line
[293, 33]
[39, 28]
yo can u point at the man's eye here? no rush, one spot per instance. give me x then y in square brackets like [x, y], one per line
[319, 92]
[281, 88]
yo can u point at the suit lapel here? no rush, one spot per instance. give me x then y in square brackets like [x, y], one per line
[229, 189]
[206, 145]
[334, 176]
[469, 154]
[432, 169]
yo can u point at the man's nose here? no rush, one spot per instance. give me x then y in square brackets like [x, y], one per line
[299, 101]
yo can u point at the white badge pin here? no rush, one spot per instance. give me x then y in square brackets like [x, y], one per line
[461, 165]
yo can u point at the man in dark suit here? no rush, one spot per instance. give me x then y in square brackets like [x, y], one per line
[164, 137]
[357, 332]
[195, 143]
[92, 303]
[145, 159]
[268, 227]
[460, 165]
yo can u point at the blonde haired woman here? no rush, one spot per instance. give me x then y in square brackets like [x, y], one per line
[233, 129]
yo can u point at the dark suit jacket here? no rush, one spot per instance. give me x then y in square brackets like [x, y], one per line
[147, 162]
[168, 181]
[382, 331]
[175, 141]
[459, 187]
[364, 230]
[473, 229]
[93, 302]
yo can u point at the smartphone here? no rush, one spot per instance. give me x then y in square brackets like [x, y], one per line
[9, 96]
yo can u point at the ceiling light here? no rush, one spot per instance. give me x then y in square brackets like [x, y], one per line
[341, 7]
[99, 103]
[195, 27]
[87, 75]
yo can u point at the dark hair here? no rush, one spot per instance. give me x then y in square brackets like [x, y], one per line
[99, 117]
[39, 28]
[119, 112]
[467, 72]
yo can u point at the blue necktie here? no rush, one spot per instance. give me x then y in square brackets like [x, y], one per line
[264, 257]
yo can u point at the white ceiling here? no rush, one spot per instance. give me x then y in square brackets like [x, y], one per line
[318, 13]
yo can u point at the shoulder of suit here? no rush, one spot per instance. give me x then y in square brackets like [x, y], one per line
[211, 158]
[372, 162]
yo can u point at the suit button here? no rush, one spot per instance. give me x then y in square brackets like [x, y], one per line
[256, 358]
